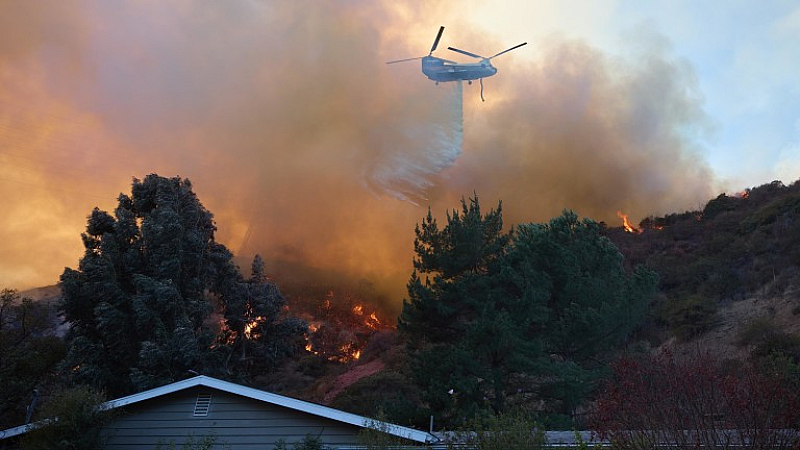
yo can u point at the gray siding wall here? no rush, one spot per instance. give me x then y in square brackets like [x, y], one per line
[238, 423]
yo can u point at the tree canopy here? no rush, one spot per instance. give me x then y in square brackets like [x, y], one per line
[494, 315]
[140, 303]
[30, 351]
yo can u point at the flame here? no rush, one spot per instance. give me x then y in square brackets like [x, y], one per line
[248, 329]
[340, 326]
[349, 353]
[372, 322]
[626, 224]
[743, 194]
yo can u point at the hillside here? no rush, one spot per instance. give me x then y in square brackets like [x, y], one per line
[729, 283]
[47, 293]
[729, 273]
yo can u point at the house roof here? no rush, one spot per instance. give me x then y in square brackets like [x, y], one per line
[255, 394]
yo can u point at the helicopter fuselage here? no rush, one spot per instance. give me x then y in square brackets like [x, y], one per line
[440, 70]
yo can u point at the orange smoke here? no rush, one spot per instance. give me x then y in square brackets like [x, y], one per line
[298, 137]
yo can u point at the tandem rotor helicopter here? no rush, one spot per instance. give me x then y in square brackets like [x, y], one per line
[441, 70]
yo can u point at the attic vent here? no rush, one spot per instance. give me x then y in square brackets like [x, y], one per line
[202, 405]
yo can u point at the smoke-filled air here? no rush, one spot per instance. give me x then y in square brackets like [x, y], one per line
[306, 146]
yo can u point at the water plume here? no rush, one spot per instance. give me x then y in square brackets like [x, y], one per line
[407, 169]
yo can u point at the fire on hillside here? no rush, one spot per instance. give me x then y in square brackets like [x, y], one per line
[626, 224]
[339, 325]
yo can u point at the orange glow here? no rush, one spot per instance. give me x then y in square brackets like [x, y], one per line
[60, 115]
[626, 224]
[248, 329]
[349, 353]
[359, 310]
[743, 194]
[372, 322]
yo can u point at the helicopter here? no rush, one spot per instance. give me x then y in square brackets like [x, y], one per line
[443, 70]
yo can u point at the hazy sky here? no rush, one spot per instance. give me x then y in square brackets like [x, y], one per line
[311, 151]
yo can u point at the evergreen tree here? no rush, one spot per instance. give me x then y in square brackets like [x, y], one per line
[592, 304]
[491, 314]
[465, 333]
[140, 302]
[257, 334]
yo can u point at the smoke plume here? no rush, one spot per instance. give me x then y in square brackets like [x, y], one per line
[307, 147]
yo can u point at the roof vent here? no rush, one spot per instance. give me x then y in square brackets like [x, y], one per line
[202, 405]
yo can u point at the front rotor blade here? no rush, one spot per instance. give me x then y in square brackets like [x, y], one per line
[436, 41]
[508, 50]
[404, 60]
[465, 52]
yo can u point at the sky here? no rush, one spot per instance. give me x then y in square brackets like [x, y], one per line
[312, 152]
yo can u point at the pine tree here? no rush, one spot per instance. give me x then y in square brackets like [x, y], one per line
[493, 314]
[466, 334]
[592, 304]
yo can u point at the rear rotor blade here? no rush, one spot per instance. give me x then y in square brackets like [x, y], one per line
[508, 50]
[404, 60]
[436, 41]
[465, 53]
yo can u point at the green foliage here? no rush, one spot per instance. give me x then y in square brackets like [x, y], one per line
[768, 341]
[257, 335]
[581, 444]
[389, 394]
[592, 304]
[140, 302]
[508, 431]
[493, 314]
[29, 353]
[72, 419]
[690, 316]
[375, 436]
[734, 248]
[464, 336]
[206, 442]
[309, 442]
[754, 331]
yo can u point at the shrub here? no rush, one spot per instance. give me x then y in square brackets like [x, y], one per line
[690, 315]
[509, 431]
[72, 419]
[692, 402]
[376, 436]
